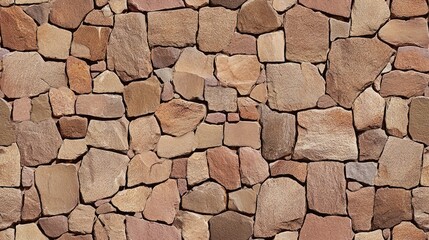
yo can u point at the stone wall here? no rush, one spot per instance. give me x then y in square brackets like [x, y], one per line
[214, 119]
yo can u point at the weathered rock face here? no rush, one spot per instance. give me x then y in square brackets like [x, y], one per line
[90, 42]
[419, 127]
[230, 225]
[224, 167]
[420, 207]
[53, 42]
[79, 75]
[405, 32]
[142, 97]
[10, 166]
[351, 68]
[8, 135]
[10, 208]
[100, 105]
[340, 8]
[361, 208]
[253, 167]
[391, 206]
[69, 14]
[108, 134]
[18, 30]
[147, 168]
[163, 203]
[207, 198]
[136, 228]
[392, 84]
[319, 228]
[368, 110]
[267, 21]
[144, 134]
[412, 58]
[368, 16]
[408, 230]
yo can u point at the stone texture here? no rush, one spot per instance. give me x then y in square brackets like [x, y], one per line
[197, 168]
[140, 229]
[193, 61]
[230, 225]
[164, 56]
[29, 231]
[253, 167]
[62, 101]
[405, 32]
[362, 172]
[360, 208]
[108, 134]
[21, 110]
[90, 42]
[341, 8]
[10, 166]
[207, 198]
[132, 199]
[154, 5]
[18, 30]
[178, 117]
[238, 71]
[412, 58]
[53, 42]
[424, 180]
[267, 21]
[393, 84]
[409, 8]
[10, 209]
[243, 134]
[420, 207]
[244, 200]
[326, 134]
[8, 135]
[58, 187]
[107, 82]
[397, 117]
[71, 149]
[400, 163]
[114, 225]
[232, 4]
[374, 235]
[307, 35]
[170, 147]
[126, 40]
[301, 77]
[221, 98]
[419, 127]
[100, 105]
[368, 110]
[102, 17]
[339, 29]
[73, 127]
[31, 208]
[144, 134]
[289, 210]
[283, 5]
[326, 187]
[54, 226]
[81, 219]
[147, 168]
[101, 174]
[163, 203]
[391, 206]
[297, 170]
[142, 97]
[40, 108]
[318, 228]
[79, 76]
[215, 28]
[194, 226]
[407, 230]
[345, 83]
[38, 142]
[69, 14]
[209, 135]
[176, 28]
[224, 167]
[8, 234]
[271, 47]
[188, 85]
[241, 44]
[368, 16]
[39, 12]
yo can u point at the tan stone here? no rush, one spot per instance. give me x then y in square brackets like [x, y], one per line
[197, 168]
[407, 230]
[144, 134]
[177, 28]
[360, 208]
[127, 39]
[248, 109]
[307, 35]
[163, 203]
[7, 234]
[114, 224]
[241, 44]
[7, 128]
[53, 42]
[238, 71]
[301, 77]
[101, 174]
[230, 225]
[244, 200]
[412, 58]
[81, 219]
[90, 42]
[253, 167]
[424, 180]
[405, 32]
[118, 6]
[10, 209]
[283, 5]
[368, 16]
[73, 127]
[72, 149]
[132, 199]
[420, 207]
[267, 20]
[196, 3]
[27, 177]
[108, 134]
[178, 168]
[100, 105]
[62, 101]
[38, 142]
[296, 169]
[194, 226]
[374, 235]
[209, 135]
[207, 198]
[21, 109]
[400, 163]
[391, 206]
[170, 147]
[6, 3]
[163, 57]
[103, 17]
[188, 85]
[371, 144]
[31, 208]
[344, 83]
[18, 30]
[407, 8]
[40, 108]
[397, 117]
[216, 118]
[419, 127]
[243, 134]
[29, 231]
[193, 61]
[368, 110]
[68, 14]
[216, 28]
[107, 82]
[10, 166]
[79, 76]
[221, 98]
[139, 228]
[288, 208]
[288, 235]
[393, 84]
[271, 47]
[54, 226]
[178, 117]
[154, 5]
[319, 228]
[224, 167]
[339, 29]
[58, 186]
[147, 168]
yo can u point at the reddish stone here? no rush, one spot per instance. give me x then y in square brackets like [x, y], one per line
[54, 226]
[253, 167]
[79, 76]
[90, 42]
[164, 56]
[154, 5]
[289, 168]
[406, 84]
[340, 8]
[391, 206]
[322, 228]
[412, 58]
[139, 229]
[69, 14]
[178, 169]
[18, 30]
[224, 167]
[73, 127]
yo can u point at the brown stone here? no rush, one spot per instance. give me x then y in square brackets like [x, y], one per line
[178, 169]
[419, 126]
[176, 28]
[230, 225]
[108, 134]
[360, 208]
[207, 198]
[340, 8]
[79, 76]
[276, 212]
[21, 109]
[393, 84]
[69, 14]
[101, 174]
[368, 110]
[154, 5]
[371, 144]
[178, 117]
[409, 8]
[271, 47]
[241, 44]
[114, 225]
[102, 18]
[140, 229]
[267, 20]
[224, 167]
[339, 29]
[54, 226]
[193, 226]
[216, 28]
[7, 129]
[81, 219]
[29, 231]
[40, 108]
[38, 142]
[344, 83]
[163, 202]
[307, 35]
[244, 200]
[170, 147]
[142, 97]
[188, 85]
[298, 170]
[10, 166]
[31, 208]
[368, 16]
[232, 4]
[221, 98]
[18, 30]
[90, 42]
[126, 39]
[391, 206]
[407, 230]
[39, 12]
[132, 199]
[253, 167]
[243, 134]
[144, 134]
[421, 206]
[27, 177]
[10, 209]
[322, 176]
[400, 163]
[412, 58]
[53, 42]
[396, 116]
[248, 108]
[405, 32]
[73, 127]
[215, 118]
[164, 56]
[62, 101]
[330, 227]
[374, 235]
[100, 105]
[147, 168]
[197, 168]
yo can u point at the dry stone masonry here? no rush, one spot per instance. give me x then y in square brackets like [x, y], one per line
[214, 120]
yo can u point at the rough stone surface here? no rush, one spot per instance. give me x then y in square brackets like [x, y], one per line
[132, 200]
[230, 225]
[54, 226]
[392, 84]
[100, 105]
[154, 5]
[10, 208]
[139, 229]
[371, 144]
[405, 32]
[108, 134]
[197, 169]
[209, 135]
[360, 208]
[253, 167]
[412, 58]
[224, 167]
[69, 14]
[368, 110]
[409, 8]
[73, 127]
[107, 82]
[267, 21]
[10, 166]
[148, 168]
[81, 219]
[142, 97]
[243, 134]
[53, 42]
[391, 206]
[243, 200]
[189, 85]
[420, 207]
[90, 42]
[397, 116]
[207, 198]
[163, 202]
[407, 230]
[271, 47]
[62, 101]
[419, 127]
[318, 228]
[29, 231]
[170, 147]
[79, 76]
[193, 61]
[144, 134]
[18, 30]
[362, 172]
[289, 168]
[221, 98]
[368, 16]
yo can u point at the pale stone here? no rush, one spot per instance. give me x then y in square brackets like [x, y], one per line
[419, 127]
[326, 134]
[21, 109]
[62, 101]
[409, 8]
[10, 209]
[283, 5]
[412, 58]
[397, 117]
[360, 208]
[287, 236]
[196, 3]
[368, 16]
[188, 85]
[194, 226]
[163, 203]
[118, 6]
[147, 168]
[362, 172]
[374, 235]
[69, 14]
[267, 20]
[207, 198]
[368, 110]
[142, 97]
[421, 207]
[7, 128]
[193, 61]
[114, 224]
[271, 47]
[108, 82]
[253, 167]
[221, 98]
[10, 166]
[29, 231]
[243, 200]
[400, 163]
[81, 219]
[209, 135]
[71, 149]
[101, 174]
[197, 168]
[139, 228]
[243, 134]
[132, 199]
[340, 8]
[339, 29]
[329, 227]
[424, 180]
[53, 42]
[108, 134]
[100, 105]
[170, 147]
[144, 134]
[230, 225]
[405, 32]
[7, 234]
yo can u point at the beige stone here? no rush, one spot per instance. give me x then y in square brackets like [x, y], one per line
[243, 200]
[407, 230]
[107, 82]
[209, 135]
[188, 85]
[419, 127]
[397, 116]
[267, 20]
[154, 5]
[424, 180]
[341, 8]
[163, 202]
[289, 235]
[374, 235]
[7, 128]
[81, 219]
[393, 84]
[144, 134]
[405, 32]
[71, 149]
[8, 234]
[391, 206]
[53, 226]
[230, 225]
[207, 198]
[248, 109]
[420, 207]
[100, 105]
[136, 228]
[221, 98]
[132, 199]
[142, 97]
[296, 169]
[231, 4]
[253, 167]
[90, 42]
[102, 18]
[118, 6]
[360, 208]
[79, 76]
[10, 209]
[10, 166]
[62, 101]
[108, 134]
[196, 3]
[368, 110]
[29, 231]
[41, 108]
[339, 29]
[319, 228]
[147, 168]
[194, 226]
[271, 47]
[193, 61]
[53, 42]
[170, 147]
[243, 134]
[114, 224]
[18, 30]
[283, 5]
[241, 44]
[368, 16]
[69, 14]
[197, 168]
[412, 58]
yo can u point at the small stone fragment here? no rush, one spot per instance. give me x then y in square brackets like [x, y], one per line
[138, 228]
[7, 234]
[179, 168]
[393, 84]
[31, 208]
[412, 58]
[253, 167]
[81, 219]
[53, 42]
[163, 202]
[405, 32]
[271, 47]
[243, 134]
[114, 225]
[407, 230]
[374, 235]
[409, 8]
[100, 105]
[188, 85]
[79, 76]
[209, 135]
[10, 209]
[147, 168]
[283, 5]
[90, 42]
[326, 101]
[170, 147]
[339, 29]
[419, 126]
[230, 225]
[72, 149]
[29, 231]
[132, 199]
[107, 82]
[368, 16]
[207, 198]
[73, 127]
[267, 20]
[243, 200]
[154, 5]
[221, 98]
[289, 168]
[421, 206]
[194, 226]
[164, 56]
[21, 109]
[197, 168]
[371, 144]
[193, 61]
[362, 172]
[40, 108]
[224, 167]
[241, 44]
[10, 166]
[320, 228]
[391, 206]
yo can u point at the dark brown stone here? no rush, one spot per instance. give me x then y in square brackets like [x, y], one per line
[230, 226]
[164, 56]
[18, 30]
[73, 127]
[391, 207]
